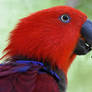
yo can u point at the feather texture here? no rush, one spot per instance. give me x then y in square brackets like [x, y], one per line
[25, 77]
[42, 35]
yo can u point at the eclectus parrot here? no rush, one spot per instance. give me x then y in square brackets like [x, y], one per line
[41, 49]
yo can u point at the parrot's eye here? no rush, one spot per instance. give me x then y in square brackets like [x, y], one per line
[65, 18]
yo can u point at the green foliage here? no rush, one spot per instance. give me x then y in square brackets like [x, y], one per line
[86, 7]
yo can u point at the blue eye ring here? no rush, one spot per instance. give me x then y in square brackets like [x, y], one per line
[65, 18]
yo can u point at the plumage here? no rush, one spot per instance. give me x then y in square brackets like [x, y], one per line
[22, 76]
[45, 36]
[48, 38]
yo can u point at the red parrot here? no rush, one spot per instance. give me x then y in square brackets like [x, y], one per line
[41, 49]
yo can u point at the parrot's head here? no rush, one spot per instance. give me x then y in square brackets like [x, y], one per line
[55, 35]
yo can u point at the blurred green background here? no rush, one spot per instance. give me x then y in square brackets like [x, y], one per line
[80, 73]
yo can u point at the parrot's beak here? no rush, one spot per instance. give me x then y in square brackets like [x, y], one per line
[85, 42]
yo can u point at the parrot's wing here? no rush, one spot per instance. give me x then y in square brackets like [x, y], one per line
[46, 83]
[24, 78]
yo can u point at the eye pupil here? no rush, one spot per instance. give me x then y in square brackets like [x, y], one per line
[65, 18]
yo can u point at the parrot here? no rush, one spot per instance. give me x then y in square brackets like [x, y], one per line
[41, 49]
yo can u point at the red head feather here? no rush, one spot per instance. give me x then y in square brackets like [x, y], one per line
[43, 35]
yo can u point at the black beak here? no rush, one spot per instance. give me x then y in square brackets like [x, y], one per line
[84, 46]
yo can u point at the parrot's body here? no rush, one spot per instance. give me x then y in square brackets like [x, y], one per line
[28, 76]
[41, 49]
